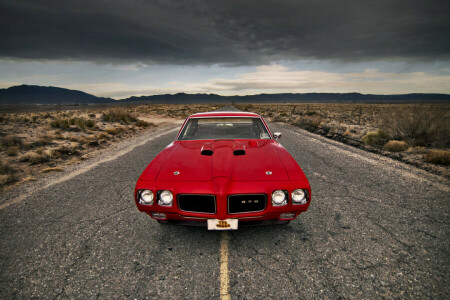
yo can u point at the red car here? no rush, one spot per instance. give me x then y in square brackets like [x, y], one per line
[223, 169]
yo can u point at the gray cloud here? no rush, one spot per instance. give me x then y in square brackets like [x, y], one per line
[224, 32]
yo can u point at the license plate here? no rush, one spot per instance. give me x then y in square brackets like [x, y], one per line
[228, 224]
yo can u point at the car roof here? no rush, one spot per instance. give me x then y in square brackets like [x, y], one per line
[225, 114]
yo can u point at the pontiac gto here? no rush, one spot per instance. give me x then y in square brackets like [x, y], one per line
[223, 169]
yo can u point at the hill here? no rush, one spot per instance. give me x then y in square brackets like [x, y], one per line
[33, 94]
[290, 98]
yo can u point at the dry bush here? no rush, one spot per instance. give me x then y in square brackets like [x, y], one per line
[113, 130]
[7, 173]
[441, 157]
[142, 123]
[395, 146]
[307, 122]
[374, 138]
[418, 150]
[67, 150]
[36, 158]
[420, 125]
[53, 169]
[60, 123]
[11, 141]
[118, 115]
[65, 124]
[12, 151]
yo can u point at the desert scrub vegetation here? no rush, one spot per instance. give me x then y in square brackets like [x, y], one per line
[441, 157]
[419, 125]
[119, 115]
[395, 146]
[409, 132]
[33, 142]
[373, 138]
[7, 173]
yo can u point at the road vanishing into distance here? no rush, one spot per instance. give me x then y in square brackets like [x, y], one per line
[376, 228]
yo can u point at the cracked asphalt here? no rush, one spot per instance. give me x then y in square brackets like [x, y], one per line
[376, 229]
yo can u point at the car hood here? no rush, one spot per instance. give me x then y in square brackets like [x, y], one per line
[252, 160]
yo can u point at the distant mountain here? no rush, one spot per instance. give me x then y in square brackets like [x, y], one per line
[290, 98]
[33, 94]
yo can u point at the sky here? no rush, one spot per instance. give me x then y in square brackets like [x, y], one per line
[118, 49]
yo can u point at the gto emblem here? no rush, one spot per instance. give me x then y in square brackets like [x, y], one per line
[269, 172]
[176, 173]
[249, 201]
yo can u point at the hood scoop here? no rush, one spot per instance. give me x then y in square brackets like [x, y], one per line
[238, 149]
[207, 149]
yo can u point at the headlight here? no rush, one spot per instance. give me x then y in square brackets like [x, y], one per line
[299, 196]
[145, 197]
[165, 198]
[279, 198]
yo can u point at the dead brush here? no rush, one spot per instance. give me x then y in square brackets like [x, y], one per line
[375, 138]
[12, 151]
[307, 122]
[395, 146]
[113, 130]
[11, 141]
[7, 173]
[420, 125]
[118, 115]
[440, 157]
[142, 123]
[36, 158]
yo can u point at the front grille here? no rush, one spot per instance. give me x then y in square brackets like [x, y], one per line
[246, 203]
[197, 203]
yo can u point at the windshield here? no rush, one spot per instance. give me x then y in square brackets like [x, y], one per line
[224, 128]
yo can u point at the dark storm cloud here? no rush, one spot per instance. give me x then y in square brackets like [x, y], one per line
[229, 32]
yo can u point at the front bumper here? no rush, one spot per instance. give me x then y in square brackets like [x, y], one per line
[221, 188]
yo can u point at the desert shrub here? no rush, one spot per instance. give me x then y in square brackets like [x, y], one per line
[81, 123]
[7, 173]
[60, 123]
[420, 125]
[142, 123]
[112, 130]
[373, 138]
[118, 115]
[395, 146]
[12, 151]
[52, 169]
[11, 141]
[249, 107]
[418, 150]
[36, 158]
[68, 150]
[441, 157]
[308, 122]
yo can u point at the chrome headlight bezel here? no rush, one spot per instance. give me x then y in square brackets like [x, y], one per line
[299, 197]
[145, 197]
[279, 198]
[165, 198]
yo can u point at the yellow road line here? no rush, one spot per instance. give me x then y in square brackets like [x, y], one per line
[224, 279]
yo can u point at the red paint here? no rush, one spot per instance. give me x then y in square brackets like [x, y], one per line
[223, 173]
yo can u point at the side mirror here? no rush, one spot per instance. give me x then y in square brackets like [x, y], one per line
[276, 135]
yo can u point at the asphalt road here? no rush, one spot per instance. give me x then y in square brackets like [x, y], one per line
[376, 229]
